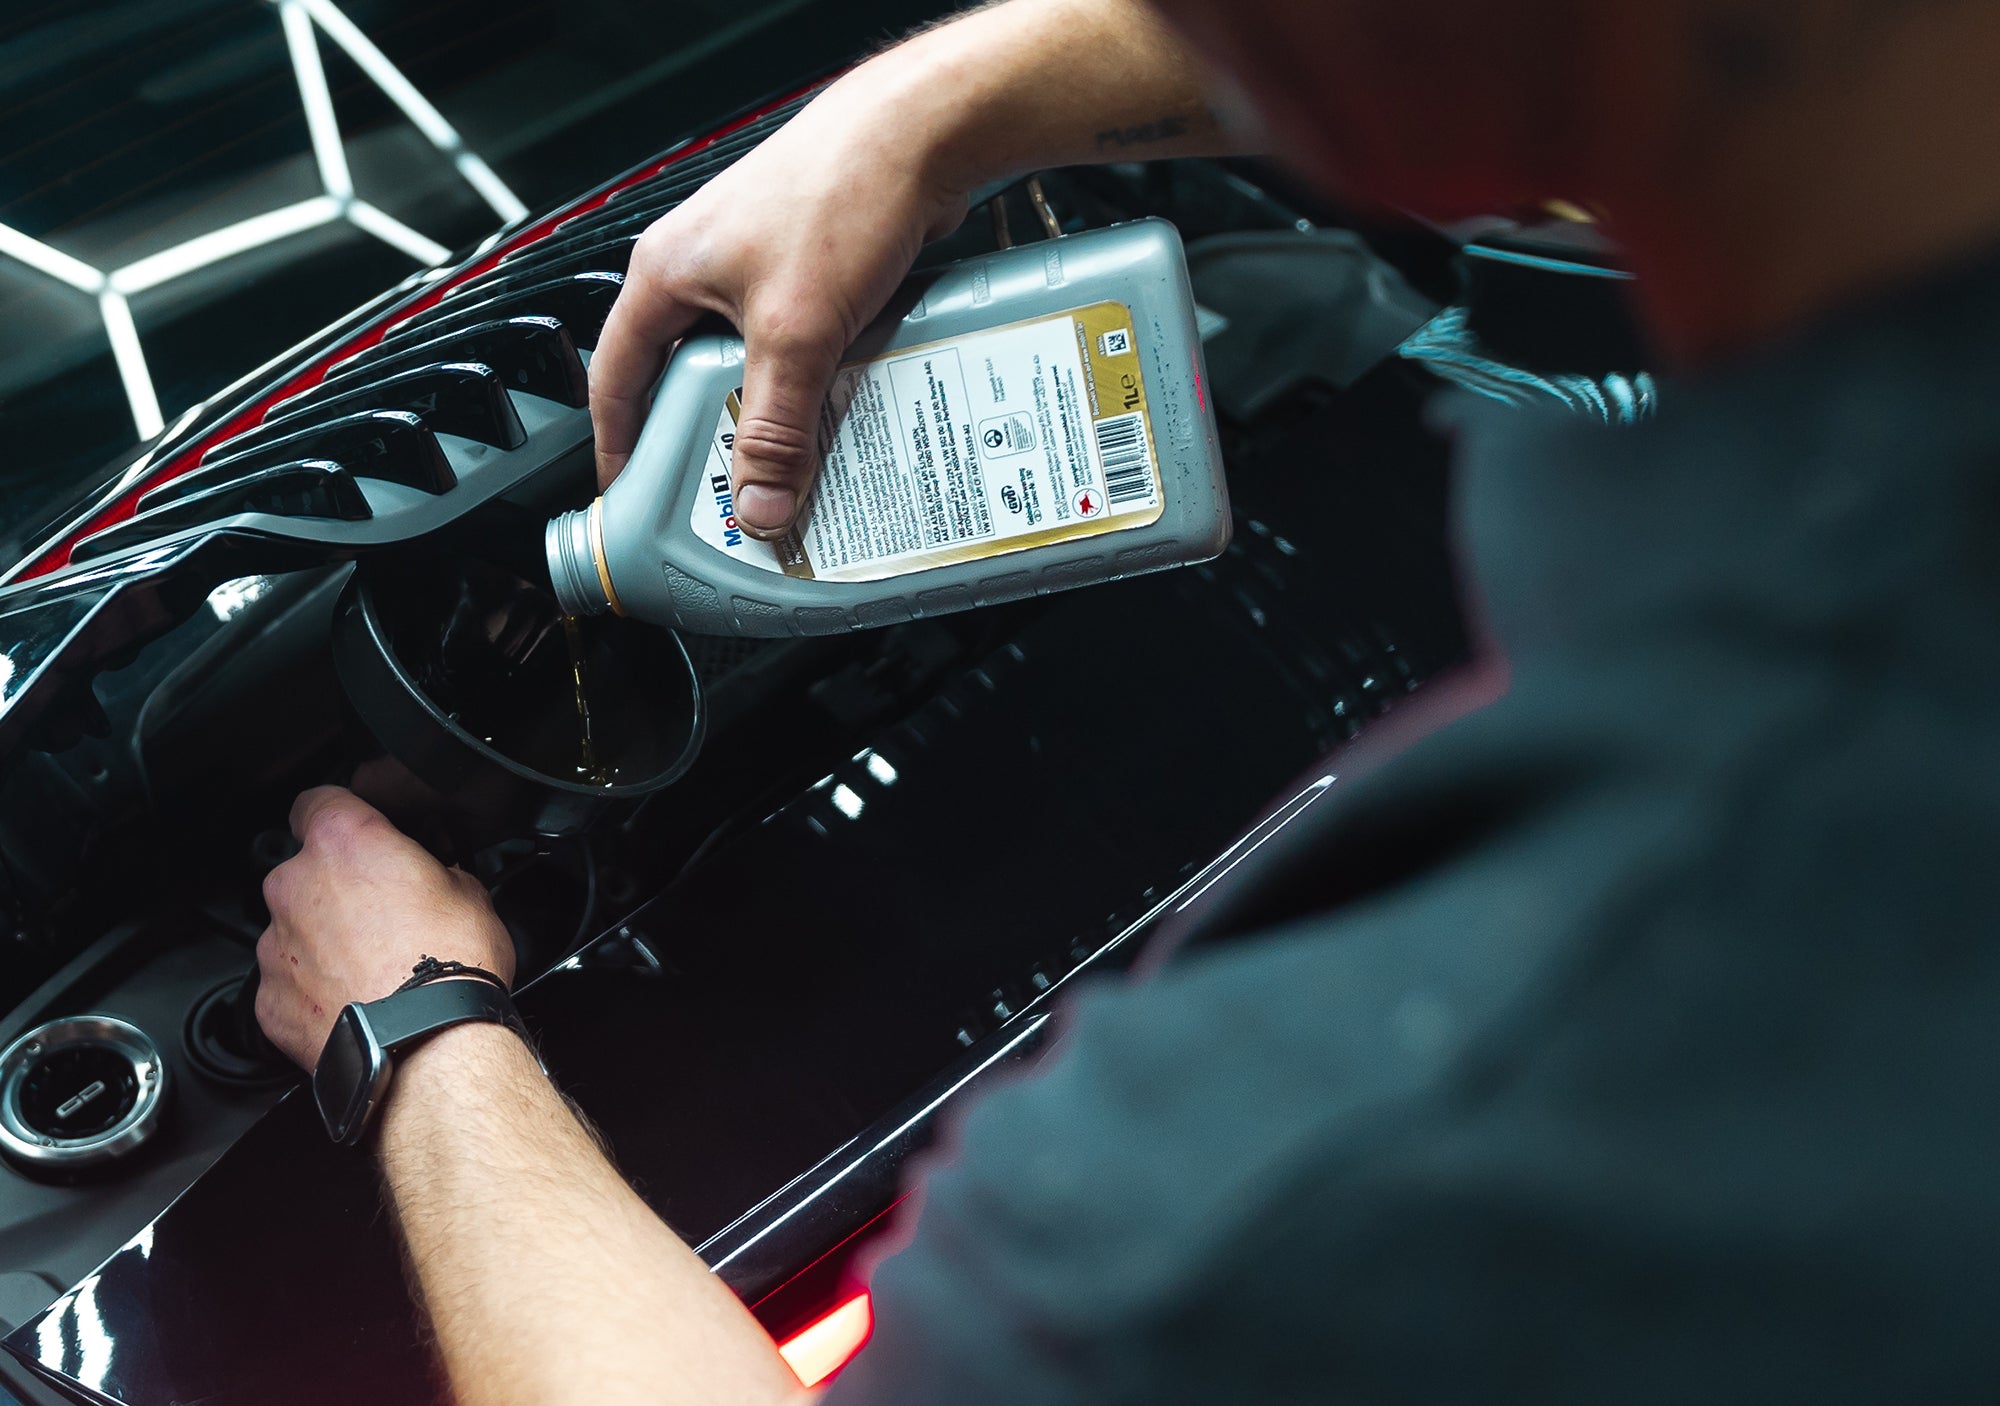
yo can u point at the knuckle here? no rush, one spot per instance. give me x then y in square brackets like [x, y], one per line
[607, 400]
[343, 829]
[795, 336]
[276, 885]
[658, 239]
[664, 257]
[777, 444]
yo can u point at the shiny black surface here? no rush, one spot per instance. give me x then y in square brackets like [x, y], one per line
[933, 884]
[580, 254]
[56, 644]
[580, 301]
[144, 976]
[532, 354]
[314, 488]
[34, 637]
[465, 398]
[331, 486]
[386, 443]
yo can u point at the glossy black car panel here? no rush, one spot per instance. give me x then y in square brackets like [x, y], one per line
[735, 1033]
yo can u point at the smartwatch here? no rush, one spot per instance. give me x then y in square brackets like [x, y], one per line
[352, 1076]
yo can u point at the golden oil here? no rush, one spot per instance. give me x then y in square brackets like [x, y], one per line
[590, 770]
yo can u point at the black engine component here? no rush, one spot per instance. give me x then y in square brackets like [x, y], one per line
[498, 716]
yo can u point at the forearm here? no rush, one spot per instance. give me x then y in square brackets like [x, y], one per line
[546, 1278]
[1032, 84]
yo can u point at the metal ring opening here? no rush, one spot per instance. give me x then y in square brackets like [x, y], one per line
[44, 1149]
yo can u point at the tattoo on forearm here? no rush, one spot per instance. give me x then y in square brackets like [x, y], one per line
[1171, 127]
[1162, 129]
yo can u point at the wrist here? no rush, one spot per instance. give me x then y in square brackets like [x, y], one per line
[955, 92]
[358, 1065]
[448, 1062]
[454, 1068]
[1031, 84]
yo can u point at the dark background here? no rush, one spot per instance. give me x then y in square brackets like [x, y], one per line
[130, 126]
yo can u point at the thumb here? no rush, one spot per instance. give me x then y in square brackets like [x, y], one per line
[789, 369]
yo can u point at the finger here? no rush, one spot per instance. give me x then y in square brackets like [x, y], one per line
[277, 889]
[789, 368]
[648, 315]
[315, 807]
[267, 1009]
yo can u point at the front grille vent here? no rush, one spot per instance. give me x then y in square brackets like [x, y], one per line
[447, 408]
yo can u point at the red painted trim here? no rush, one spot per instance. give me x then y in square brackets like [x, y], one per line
[55, 554]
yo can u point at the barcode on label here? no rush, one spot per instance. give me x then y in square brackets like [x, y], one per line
[1128, 466]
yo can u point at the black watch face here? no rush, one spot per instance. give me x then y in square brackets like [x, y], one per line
[344, 1080]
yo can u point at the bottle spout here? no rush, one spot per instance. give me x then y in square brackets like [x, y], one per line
[574, 544]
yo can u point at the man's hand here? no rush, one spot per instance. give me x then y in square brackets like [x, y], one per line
[472, 1123]
[801, 243]
[352, 912]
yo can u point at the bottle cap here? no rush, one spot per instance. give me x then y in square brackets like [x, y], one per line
[574, 544]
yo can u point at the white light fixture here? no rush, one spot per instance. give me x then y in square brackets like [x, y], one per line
[321, 124]
[403, 93]
[225, 243]
[390, 230]
[336, 201]
[53, 262]
[131, 360]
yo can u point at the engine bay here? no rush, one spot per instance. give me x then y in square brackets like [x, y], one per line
[889, 850]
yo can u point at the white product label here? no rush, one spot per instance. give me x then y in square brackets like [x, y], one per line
[994, 442]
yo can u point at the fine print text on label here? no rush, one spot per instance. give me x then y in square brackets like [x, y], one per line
[990, 443]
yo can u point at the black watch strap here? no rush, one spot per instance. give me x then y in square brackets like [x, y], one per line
[423, 1010]
[429, 968]
[354, 1069]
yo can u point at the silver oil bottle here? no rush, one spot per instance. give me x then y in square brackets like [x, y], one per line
[1016, 424]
